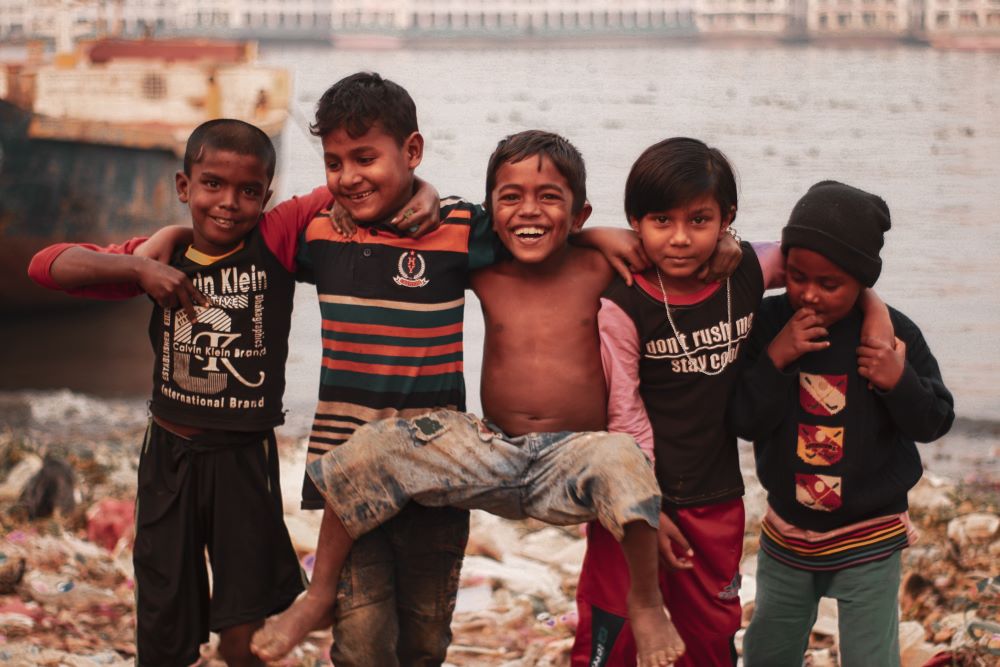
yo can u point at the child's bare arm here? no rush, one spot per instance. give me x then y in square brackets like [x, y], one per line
[621, 247]
[723, 262]
[79, 267]
[420, 215]
[160, 246]
[877, 325]
[669, 533]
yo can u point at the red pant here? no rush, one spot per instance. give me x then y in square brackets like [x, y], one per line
[703, 602]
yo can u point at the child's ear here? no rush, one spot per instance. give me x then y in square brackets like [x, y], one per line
[183, 183]
[633, 222]
[267, 198]
[727, 220]
[413, 148]
[581, 216]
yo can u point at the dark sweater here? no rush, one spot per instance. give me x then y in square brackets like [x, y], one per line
[830, 451]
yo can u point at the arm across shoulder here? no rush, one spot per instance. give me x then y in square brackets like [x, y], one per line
[40, 271]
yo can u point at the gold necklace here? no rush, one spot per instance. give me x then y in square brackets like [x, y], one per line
[680, 341]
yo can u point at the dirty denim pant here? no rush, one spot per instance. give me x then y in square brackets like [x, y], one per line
[785, 611]
[397, 590]
[449, 458]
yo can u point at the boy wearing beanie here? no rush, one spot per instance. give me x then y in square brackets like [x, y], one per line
[833, 419]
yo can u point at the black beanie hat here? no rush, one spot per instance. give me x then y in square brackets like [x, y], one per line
[842, 223]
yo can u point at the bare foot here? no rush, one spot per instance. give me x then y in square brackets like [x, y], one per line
[283, 632]
[656, 638]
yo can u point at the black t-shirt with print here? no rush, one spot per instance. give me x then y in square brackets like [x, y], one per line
[227, 370]
[697, 462]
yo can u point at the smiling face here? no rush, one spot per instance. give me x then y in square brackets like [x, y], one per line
[681, 239]
[532, 205]
[371, 176]
[815, 282]
[226, 193]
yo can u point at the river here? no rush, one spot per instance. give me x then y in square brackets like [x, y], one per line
[918, 126]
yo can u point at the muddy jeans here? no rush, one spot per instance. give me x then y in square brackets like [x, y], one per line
[397, 590]
[449, 458]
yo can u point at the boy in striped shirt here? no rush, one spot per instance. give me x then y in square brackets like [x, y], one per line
[539, 453]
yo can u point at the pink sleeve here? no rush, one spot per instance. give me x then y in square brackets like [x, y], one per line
[620, 356]
[282, 225]
[40, 270]
[772, 262]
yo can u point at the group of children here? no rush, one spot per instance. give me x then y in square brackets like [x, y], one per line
[614, 399]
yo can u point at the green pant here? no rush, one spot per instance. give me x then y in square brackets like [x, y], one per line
[785, 611]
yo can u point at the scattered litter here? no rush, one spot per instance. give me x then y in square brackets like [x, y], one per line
[11, 573]
[50, 490]
[973, 528]
[109, 521]
[474, 598]
[67, 585]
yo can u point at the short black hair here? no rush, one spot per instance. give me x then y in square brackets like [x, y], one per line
[360, 100]
[675, 171]
[564, 156]
[229, 134]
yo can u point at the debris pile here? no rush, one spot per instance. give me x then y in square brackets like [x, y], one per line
[67, 488]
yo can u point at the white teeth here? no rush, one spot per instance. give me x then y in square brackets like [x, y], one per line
[529, 231]
[361, 196]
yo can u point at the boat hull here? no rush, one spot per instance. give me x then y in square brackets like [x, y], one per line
[55, 191]
[966, 40]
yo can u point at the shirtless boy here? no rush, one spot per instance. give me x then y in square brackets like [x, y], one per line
[540, 450]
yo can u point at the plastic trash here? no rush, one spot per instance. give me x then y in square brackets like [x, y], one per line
[109, 521]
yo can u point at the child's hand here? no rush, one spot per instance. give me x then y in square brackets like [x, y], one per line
[671, 537]
[421, 214]
[170, 288]
[342, 221]
[723, 262]
[881, 364]
[621, 247]
[160, 246]
[799, 336]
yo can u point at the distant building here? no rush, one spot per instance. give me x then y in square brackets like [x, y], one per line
[13, 19]
[750, 18]
[393, 23]
[260, 18]
[964, 24]
[837, 19]
[289, 19]
[493, 16]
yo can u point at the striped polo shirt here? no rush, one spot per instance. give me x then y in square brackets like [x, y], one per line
[392, 312]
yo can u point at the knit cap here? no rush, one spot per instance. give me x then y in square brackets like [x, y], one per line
[842, 223]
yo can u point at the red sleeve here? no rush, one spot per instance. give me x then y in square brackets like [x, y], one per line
[620, 355]
[40, 270]
[282, 225]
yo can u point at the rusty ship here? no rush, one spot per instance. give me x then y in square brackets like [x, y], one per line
[90, 139]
